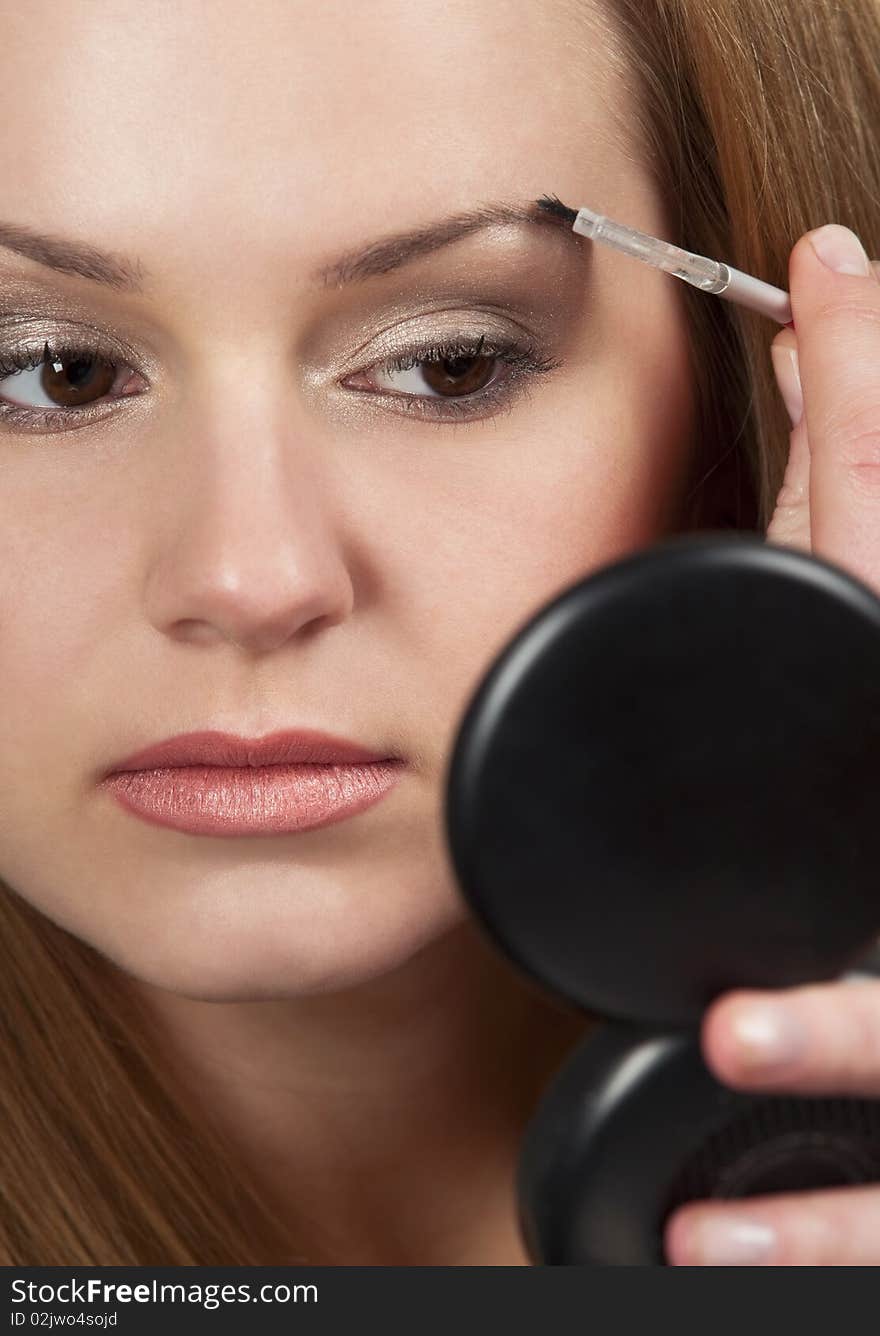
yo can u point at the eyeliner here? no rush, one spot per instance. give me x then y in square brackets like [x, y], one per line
[712, 276]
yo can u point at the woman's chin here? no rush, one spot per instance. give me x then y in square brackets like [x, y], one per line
[271, 962]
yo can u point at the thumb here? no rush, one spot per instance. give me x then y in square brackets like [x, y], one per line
[836, 307]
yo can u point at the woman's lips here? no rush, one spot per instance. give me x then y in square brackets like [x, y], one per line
[253, 800]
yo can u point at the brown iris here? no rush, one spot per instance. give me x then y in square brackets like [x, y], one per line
[80, 380]
[458, 375]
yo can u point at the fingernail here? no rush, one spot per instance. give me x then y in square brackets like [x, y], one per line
[840, 249]
[768, 1035]
[717, 1241]
[788, 378]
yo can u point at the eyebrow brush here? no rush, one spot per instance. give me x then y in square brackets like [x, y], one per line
[712, 276]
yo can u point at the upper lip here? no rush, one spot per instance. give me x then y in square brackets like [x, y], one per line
[216, 748]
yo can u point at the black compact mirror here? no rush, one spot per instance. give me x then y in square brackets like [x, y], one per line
[663, 788]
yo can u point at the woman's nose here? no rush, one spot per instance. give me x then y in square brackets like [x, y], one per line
[253, 548]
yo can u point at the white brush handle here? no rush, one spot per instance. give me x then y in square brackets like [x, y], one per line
[712, 276]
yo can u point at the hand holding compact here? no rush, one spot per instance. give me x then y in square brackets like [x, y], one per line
[821, 1039]
[662, 805]
[665, 788]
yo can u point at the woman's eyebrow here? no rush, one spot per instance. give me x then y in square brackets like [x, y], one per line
[391, 252]
[125, 274]
[74, 257]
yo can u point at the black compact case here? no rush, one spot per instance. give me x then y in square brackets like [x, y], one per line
[666, 787]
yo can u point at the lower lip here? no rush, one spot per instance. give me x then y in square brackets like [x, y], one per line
[252, 800]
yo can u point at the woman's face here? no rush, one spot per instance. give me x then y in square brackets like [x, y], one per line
[260, 523]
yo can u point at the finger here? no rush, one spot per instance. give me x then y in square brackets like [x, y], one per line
[834, 1227]
[786, 366]
[790, 522]
[837, 319]
[819, 1039]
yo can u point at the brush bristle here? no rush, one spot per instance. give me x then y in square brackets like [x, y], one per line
[553, 204]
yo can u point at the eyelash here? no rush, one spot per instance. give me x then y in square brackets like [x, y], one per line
[523, 359]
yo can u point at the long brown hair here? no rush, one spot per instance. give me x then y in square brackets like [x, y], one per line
[757, 117]
[758, 121]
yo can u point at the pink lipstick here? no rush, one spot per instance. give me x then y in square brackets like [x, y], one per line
[213, 783]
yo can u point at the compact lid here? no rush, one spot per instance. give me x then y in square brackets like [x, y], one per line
[668, 783]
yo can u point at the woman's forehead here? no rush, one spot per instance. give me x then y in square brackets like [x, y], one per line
[214, 112]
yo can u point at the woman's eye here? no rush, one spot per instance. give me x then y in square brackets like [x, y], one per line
[453, 379]
[447, 377]
[66, 380]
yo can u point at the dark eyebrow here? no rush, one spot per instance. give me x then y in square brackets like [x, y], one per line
[73, 257]
[127, 275]
[401, 247]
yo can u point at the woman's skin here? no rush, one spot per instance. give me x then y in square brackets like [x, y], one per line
[248, 543]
